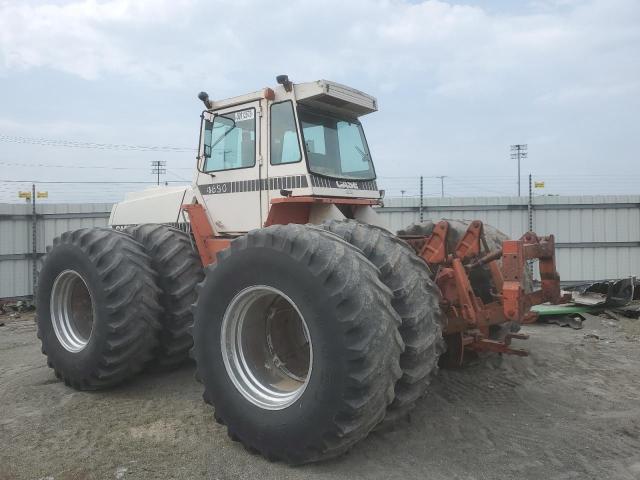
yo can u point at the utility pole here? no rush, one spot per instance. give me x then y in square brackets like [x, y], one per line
[158, 168]
[518, 152]
[441, 177]
[402, 192]
[34, 249]
[421, 196]
[530, 205]
[530, 211]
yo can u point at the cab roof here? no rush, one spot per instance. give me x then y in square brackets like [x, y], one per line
[321, 94]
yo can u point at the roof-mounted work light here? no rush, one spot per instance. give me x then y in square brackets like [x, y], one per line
[285, 82]
[204, 97]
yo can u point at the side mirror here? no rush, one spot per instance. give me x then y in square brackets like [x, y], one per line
[207, 151]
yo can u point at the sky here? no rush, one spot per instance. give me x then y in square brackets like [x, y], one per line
[457, 83]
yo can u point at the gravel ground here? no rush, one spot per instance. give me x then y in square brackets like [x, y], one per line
[570, 410]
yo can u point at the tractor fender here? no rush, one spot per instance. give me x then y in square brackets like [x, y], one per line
[326, 212]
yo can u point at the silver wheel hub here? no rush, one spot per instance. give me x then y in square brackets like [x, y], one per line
[266, 347]
[71, 308]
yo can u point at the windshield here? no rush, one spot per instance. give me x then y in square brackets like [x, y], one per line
[230, 141]
[335, 147]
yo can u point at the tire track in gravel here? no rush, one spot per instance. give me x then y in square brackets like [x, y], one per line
[570, 410]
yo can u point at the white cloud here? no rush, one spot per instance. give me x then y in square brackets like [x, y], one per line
[87, 38]
[449, 49]
[479, 78]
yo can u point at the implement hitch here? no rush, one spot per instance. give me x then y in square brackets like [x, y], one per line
[489, 323]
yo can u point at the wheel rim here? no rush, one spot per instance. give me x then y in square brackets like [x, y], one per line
[71, 309]
[266, 347]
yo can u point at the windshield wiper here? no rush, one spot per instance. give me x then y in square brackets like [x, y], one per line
[362, 152]
[225, 133]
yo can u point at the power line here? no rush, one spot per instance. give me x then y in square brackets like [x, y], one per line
[44, 165]
[178, 176]
[73, 166]
[47, 142]
[106, 182]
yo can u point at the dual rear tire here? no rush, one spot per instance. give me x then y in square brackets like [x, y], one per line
[307, 338]
[179, 271]
[110, 302]
[297, 343]
[97, 308]
[415, 299]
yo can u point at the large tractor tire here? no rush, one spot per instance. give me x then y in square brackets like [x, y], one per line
[97, 308]
[179, 271]
[415, 299]
[296, 342]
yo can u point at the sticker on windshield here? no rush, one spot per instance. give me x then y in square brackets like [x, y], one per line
[243, 115]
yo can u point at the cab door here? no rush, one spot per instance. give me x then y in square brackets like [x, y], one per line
[285, 166]
[229, 183]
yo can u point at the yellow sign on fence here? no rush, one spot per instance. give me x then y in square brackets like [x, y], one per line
[42, 195]
[538, 184]
[26, 195]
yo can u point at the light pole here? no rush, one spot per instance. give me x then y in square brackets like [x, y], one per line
[441, 177]
[31, 196]
[519, 152]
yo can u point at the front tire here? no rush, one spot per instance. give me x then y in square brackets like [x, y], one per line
[97, 308]
[296, 343]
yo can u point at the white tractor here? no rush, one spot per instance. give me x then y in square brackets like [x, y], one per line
[312, 324]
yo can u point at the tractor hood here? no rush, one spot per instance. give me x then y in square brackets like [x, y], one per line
[152, 205]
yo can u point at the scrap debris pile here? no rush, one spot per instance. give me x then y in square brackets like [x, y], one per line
[14, 307]
[614, 299]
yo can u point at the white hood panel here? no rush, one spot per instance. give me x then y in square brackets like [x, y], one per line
[152, 205]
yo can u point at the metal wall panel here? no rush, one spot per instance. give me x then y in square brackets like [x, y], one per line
[598, 236]
[612, 222]
[15, 237]
[496, 211]
[15, 278]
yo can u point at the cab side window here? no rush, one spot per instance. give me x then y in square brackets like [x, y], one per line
[230, 141]
[284, 135]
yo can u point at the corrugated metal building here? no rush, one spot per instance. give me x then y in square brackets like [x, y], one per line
[16, 237]
[598, 237]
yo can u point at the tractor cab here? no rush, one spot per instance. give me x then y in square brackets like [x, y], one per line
[296, 153]
[291, 142]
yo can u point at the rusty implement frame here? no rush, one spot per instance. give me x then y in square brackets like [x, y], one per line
[469, 319]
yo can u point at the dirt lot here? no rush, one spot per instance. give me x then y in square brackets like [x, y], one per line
[570, 410]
